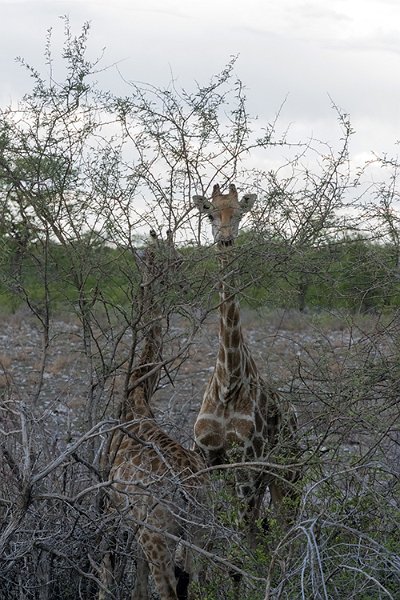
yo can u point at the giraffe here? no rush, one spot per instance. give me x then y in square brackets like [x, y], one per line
[156, 482]
[242, 418]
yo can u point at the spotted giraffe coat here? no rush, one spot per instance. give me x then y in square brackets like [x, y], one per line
[242, 418]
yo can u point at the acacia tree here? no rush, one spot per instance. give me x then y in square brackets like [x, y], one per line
[84, 176]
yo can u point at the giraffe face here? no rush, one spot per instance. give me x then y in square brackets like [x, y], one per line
[224, 212]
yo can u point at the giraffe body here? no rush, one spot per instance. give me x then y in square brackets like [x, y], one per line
[155, 481]
[242, 418]
[155, 487]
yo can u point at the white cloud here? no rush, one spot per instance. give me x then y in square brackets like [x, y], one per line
[348, 49]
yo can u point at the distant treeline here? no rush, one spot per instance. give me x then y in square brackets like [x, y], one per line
[352, 274]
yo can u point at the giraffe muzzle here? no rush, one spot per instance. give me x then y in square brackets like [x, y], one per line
[225, 243]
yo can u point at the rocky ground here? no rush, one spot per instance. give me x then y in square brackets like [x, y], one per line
[63, 386]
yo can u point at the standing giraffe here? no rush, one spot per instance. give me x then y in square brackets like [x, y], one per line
[155, 485]
[242, 419]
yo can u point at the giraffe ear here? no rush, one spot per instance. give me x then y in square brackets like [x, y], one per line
[202, 204]
[247, 202]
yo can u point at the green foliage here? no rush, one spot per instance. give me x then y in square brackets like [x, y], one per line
[62, 275]
[354, 275]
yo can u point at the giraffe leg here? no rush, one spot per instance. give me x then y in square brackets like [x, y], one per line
[108, 545]
[106, 576]
[182, 583]
[286, 500]
[248, 492]
[161, 564]
[286, 497]
[141, 589]
[251, 492]
[237, 585]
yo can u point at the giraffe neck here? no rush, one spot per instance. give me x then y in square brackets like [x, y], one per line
[232, 352]
[137, 403]
[139, 393]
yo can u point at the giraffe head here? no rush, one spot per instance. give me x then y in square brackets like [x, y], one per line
[224, 212]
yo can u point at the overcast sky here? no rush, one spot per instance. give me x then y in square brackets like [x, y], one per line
[307, 51]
